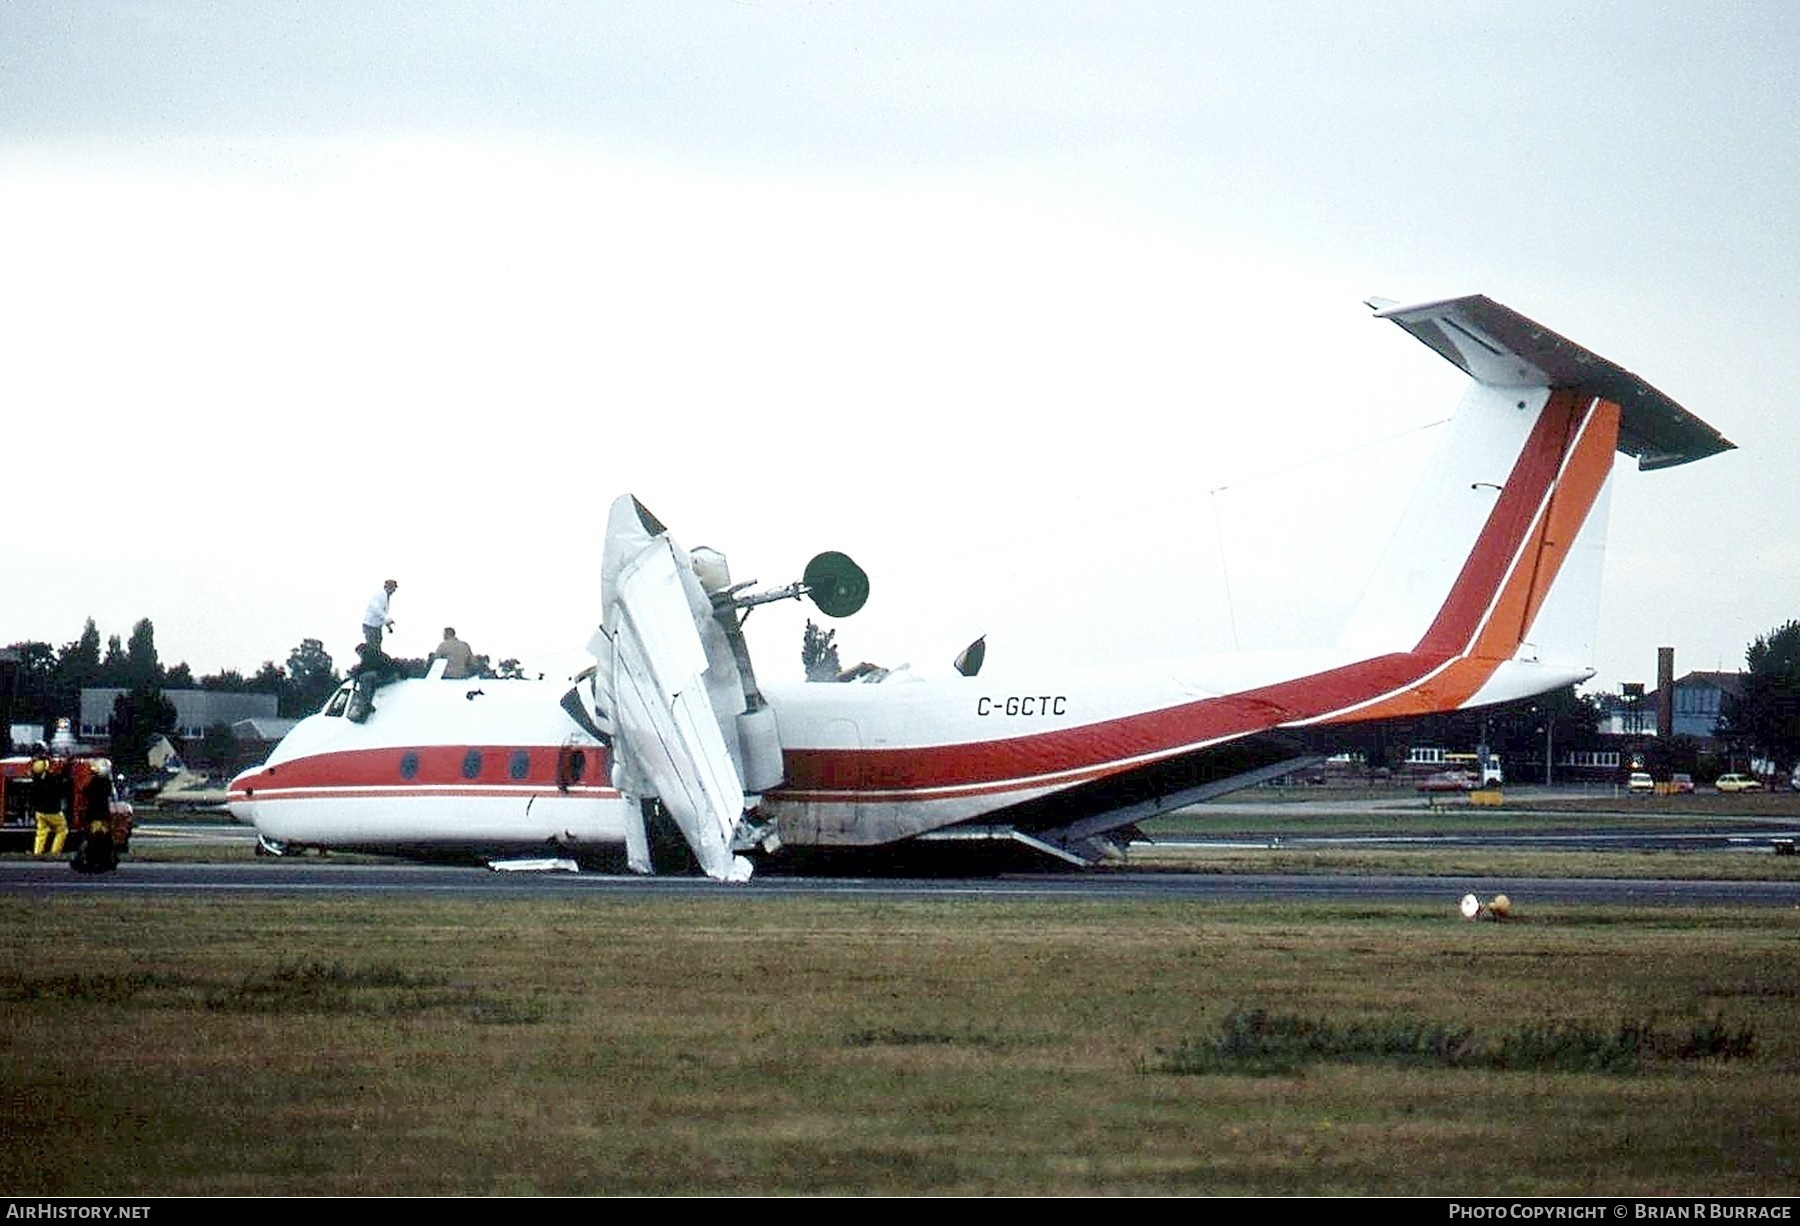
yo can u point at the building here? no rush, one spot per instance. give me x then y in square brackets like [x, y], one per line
[1696, 703]
[1700, 700]
[195, 710]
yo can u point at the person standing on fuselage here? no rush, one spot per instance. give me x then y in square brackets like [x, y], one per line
[375, 617]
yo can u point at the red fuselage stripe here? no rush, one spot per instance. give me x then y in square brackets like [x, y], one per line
[1096, 749]
[434, 768]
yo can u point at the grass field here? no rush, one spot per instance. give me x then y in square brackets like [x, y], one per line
[751, 1044]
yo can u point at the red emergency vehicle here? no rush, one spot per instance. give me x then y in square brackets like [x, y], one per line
[19, 825]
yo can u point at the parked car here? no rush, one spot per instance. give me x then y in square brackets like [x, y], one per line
[1738, 783]
[1681, 785]
[1448, 781]
[1640, 783]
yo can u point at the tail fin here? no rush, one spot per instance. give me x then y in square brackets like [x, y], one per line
[1495, 567]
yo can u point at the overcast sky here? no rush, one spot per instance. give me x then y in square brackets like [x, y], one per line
[1048, 314]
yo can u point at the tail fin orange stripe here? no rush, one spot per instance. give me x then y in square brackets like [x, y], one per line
[1571, 501]
[1586, 461]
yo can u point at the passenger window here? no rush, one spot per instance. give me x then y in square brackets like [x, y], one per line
[409, 765]
[519, 765]
[472, 764]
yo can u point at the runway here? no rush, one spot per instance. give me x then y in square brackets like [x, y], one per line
[322, 877]
[358, 876]
[1754, 839]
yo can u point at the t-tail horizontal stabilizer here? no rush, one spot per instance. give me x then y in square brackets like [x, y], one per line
[1496, 345]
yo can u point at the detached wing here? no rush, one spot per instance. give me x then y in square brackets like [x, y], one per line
[667, 740]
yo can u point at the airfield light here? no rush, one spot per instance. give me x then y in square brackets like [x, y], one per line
[1499, 908]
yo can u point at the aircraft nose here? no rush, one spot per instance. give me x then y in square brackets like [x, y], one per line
[240, 799]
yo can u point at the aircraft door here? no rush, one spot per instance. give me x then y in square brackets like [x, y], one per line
[574, 764]
[842, 773]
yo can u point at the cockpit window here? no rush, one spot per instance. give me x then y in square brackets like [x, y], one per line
[336, 704]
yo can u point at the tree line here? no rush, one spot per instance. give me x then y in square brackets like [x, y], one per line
[46, 681]
[50, 679]
[1765, 716]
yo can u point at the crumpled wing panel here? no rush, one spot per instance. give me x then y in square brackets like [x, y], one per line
[667, 733]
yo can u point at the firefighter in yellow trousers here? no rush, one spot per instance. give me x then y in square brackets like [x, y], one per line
[46, 797]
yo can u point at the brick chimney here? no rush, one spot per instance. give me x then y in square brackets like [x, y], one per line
[1665, 693]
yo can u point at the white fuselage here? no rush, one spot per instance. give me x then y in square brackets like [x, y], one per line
[489, 764]
[481, 764]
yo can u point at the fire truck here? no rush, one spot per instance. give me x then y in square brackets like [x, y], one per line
[18, 825]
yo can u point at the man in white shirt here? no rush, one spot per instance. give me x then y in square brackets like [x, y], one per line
[375, 618]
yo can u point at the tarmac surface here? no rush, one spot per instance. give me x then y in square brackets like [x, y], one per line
[322, 876]
[352, 876]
